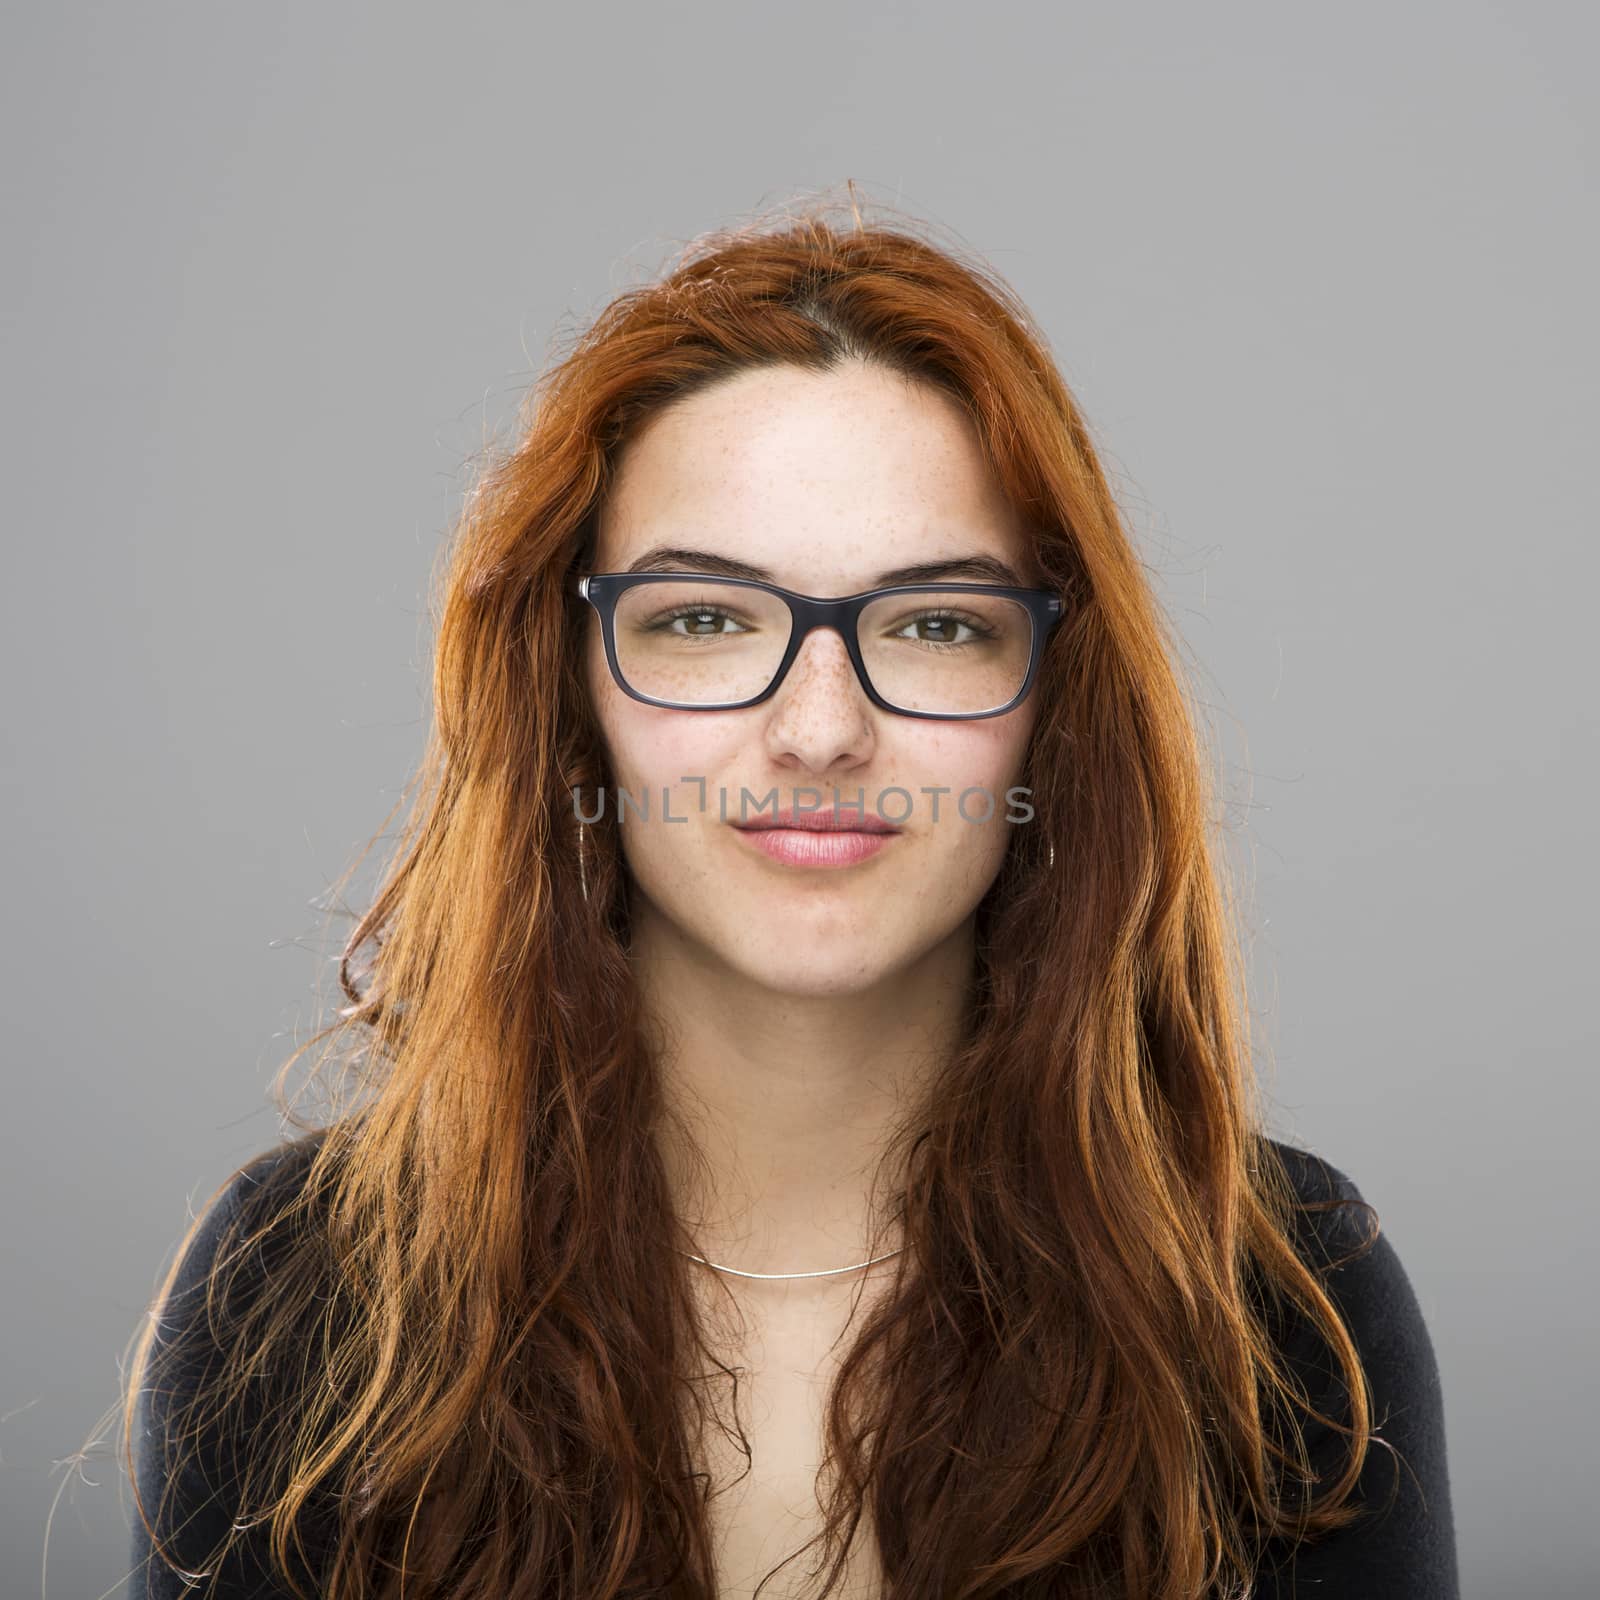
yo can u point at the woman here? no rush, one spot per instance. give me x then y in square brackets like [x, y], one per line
[802, 1125]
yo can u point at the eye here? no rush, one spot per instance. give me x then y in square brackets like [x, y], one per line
[944, 624]
[703, 622]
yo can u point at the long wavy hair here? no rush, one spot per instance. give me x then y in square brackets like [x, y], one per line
[1071, 1384]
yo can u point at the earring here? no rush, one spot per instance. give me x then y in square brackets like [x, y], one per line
[1052, 855]
[583, 876]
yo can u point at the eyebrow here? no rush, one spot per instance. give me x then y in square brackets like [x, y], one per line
[674, 558]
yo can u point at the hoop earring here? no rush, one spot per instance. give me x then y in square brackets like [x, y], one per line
[583, 876]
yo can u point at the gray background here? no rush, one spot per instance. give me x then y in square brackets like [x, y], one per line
[1322, 278]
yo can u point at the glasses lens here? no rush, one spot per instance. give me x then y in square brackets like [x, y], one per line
[946, 652]
[695, 641]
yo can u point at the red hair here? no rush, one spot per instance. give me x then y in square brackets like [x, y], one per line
[1074, 1383]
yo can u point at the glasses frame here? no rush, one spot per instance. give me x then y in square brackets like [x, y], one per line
[806, 611]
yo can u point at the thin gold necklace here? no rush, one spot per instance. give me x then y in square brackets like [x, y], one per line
[826, 1272]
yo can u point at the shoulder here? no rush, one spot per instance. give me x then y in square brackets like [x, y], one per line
[241, 1232]
[1340, 1236]
[194, 1420]
[1333, 1219]
[1405, 1544]
[226, 1264]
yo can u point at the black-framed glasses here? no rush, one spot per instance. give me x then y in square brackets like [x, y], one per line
[693, 642]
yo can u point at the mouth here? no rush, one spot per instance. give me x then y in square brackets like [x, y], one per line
[841, 838]
[844, 819]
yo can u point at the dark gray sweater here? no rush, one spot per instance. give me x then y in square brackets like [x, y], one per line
[1403, 1548]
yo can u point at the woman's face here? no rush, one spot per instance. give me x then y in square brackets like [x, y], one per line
[819, 483]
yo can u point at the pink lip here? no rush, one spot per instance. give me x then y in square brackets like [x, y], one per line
[842, 819]
[816, 847]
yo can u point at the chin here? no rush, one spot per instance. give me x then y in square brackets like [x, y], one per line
[798, 956]
[805, 978]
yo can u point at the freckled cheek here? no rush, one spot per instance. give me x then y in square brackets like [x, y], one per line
[981, 761]
[678, 751]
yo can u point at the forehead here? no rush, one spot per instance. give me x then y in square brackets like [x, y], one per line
[822, 474]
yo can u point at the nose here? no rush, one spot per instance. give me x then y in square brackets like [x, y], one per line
[820, 712]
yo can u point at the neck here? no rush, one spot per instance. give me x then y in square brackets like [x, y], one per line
[780, 1106]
